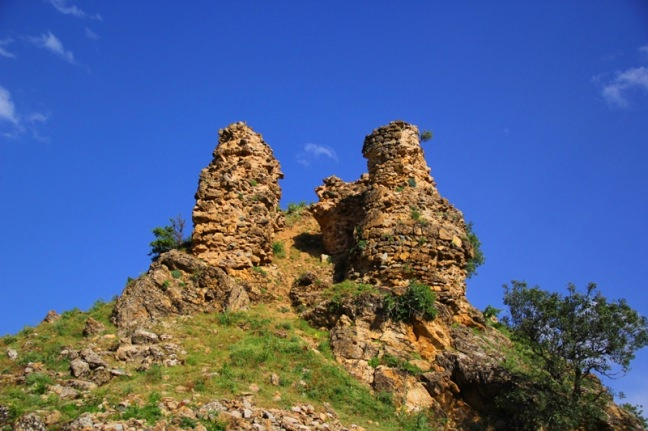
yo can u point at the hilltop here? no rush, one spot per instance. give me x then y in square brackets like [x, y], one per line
[349, 313]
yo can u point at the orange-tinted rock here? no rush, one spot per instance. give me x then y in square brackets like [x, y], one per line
[392, 223]
[236, 212]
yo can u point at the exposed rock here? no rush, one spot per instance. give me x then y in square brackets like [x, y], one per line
[12, 354]
[141, 336]
[65, 392]
[93, 359]
[4, 415]
[30, 422]
[177, 284]
[51, 317]
[79, 368]
[93, 327]
[392, 221]
[236, 213]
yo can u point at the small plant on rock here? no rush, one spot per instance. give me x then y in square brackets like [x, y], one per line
[279, 249]
[416, 303]
[169, 237]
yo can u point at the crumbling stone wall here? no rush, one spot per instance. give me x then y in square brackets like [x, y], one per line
[236, 212]
[392, 224]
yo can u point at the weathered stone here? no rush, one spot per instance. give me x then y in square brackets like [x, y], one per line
[392, 222]
[12, 354]
[65, 392]
[93, 327]
[157, 294]
[236, 213]
[92, 358]
[51, 317]
[141, 336]
[4, 415]
[30, 422]
[79, 368]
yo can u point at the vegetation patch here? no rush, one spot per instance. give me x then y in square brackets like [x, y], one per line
[416, 303]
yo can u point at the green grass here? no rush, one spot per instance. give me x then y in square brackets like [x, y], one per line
[225, 353]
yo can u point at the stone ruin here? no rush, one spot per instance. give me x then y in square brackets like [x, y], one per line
[236, 212]
[392, 226]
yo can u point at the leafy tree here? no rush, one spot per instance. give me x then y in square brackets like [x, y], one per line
[426, 136]
[169, 237]
[574, 336]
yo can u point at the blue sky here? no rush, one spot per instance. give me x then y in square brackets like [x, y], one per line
[109, 110]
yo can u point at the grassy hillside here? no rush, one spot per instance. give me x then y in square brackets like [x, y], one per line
[267, 355]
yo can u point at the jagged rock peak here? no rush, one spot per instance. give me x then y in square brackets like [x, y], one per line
[236, 212]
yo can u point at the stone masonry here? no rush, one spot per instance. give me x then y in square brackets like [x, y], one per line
[392, 224]
[236, 212]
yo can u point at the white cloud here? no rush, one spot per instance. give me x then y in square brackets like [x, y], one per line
[18, 125]
[315, 151]
[52, 43]
[38, 117]
[643, 50]
[617, 91]
[67, 9]
[91, 34]
[7, 108]
[3, 50]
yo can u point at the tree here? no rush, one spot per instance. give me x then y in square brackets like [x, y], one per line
[576, 335]
[169, 237]
[426, 136]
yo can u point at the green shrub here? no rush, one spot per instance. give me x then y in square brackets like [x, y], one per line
[416, 303]
[411, 182]
[279, 249]
[176, 274]
[478, 257]
[637, 412]
[426, 135]
[260, 271]
[38, 382]
[415, 214]
[490, 312]
[294, 212]
[150, 412]
[169, 237]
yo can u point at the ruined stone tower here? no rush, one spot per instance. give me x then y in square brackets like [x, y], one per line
[236, 211]
[392, 224]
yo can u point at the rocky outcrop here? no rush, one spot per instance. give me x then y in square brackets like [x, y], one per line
[236, 211]
[388, 228]
[392, 226]
[177, 284]
[235, 414]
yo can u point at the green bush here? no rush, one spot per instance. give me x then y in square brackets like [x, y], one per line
[416, 303]
[426, 136]
[279, 249]
[478, 257]
[169, 237]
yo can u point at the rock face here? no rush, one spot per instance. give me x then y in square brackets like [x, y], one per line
[388, 228]
[392, 223]
[236, 211]
[177, 284]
